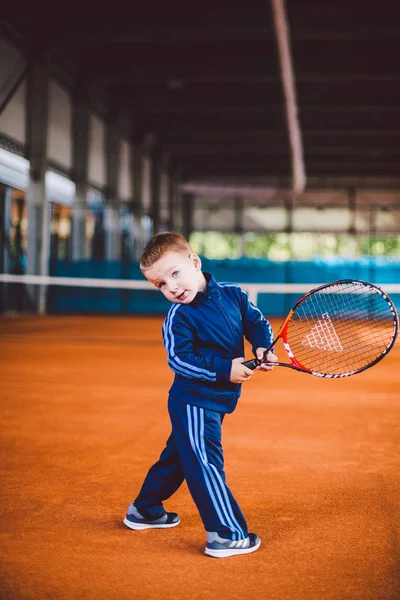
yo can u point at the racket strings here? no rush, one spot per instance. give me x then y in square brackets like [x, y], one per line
[354, 353]
[342, 328]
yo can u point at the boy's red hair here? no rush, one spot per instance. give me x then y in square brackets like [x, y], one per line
[167, 241]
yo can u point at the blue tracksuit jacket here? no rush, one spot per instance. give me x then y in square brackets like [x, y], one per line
[203, 337]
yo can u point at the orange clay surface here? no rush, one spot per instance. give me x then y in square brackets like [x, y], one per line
[314, 464]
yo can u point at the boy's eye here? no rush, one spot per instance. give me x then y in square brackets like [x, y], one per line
[175, 274]
[161, 285]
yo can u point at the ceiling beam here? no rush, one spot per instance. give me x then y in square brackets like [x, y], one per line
[156, 107]
[262, 97]
[201, 35]
[150, 77]
[316, 161]
[272, 185]
[153, 64]
[319, 170]
[265, 148]
[224, 134]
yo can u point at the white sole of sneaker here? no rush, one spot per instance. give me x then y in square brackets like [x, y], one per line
[231, 551]
[140, 526]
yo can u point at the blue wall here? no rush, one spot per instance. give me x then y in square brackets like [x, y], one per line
[245, 270]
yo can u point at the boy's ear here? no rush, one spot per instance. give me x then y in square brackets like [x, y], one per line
[196, 260]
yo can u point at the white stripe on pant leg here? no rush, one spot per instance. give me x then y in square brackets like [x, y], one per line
[215, 476]
[228, 504]
[199, 433]
[221, 482]
[216, 494]
[205, 474]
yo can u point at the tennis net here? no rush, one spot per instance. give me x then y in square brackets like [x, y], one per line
[48, 294]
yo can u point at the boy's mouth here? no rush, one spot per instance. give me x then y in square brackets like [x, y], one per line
[182, 296]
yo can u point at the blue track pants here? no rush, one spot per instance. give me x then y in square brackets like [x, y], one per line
[194, 452]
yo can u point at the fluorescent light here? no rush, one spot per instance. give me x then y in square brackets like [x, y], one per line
[14, 170]
[59, 189]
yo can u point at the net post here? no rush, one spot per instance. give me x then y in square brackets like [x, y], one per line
[42, 300]
[252, 291]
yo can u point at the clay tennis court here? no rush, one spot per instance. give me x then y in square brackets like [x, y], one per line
[315, 465]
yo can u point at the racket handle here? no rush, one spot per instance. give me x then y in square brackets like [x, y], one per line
[251, 364]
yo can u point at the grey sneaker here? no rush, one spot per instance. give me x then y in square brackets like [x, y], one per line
[134, 520]
[219, 547]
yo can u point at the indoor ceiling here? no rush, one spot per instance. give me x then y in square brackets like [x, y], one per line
[203, 80]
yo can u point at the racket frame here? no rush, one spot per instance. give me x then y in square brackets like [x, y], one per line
[295, 364]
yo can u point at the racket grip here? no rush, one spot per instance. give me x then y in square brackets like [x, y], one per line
[251, 364]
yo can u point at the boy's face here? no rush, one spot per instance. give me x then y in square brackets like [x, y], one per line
[178, 276]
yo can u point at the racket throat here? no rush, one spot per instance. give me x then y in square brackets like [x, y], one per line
[293, 360]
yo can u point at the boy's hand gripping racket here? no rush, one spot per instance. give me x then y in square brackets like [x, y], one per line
[338, 329]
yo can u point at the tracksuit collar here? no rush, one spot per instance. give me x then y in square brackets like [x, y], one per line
[213, 289]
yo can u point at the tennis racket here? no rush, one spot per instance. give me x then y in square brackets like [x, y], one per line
[337, 330]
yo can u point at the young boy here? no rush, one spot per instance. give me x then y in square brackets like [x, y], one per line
[203, 336]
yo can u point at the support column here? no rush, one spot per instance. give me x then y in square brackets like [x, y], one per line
[164, 193]
[187, 213]
[155, 190]
[371, 238]
[177, 202]
[174, 173]
[137, 171]
[80, 163]
[112, 211]
[112, 221]
[172, 198]
[288, 263]
[352, 198]
[289, 215]
[38, 234]
[147, 148]
[5, 227]
[239, 204]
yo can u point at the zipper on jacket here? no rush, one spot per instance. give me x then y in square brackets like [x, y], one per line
[225, 317]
